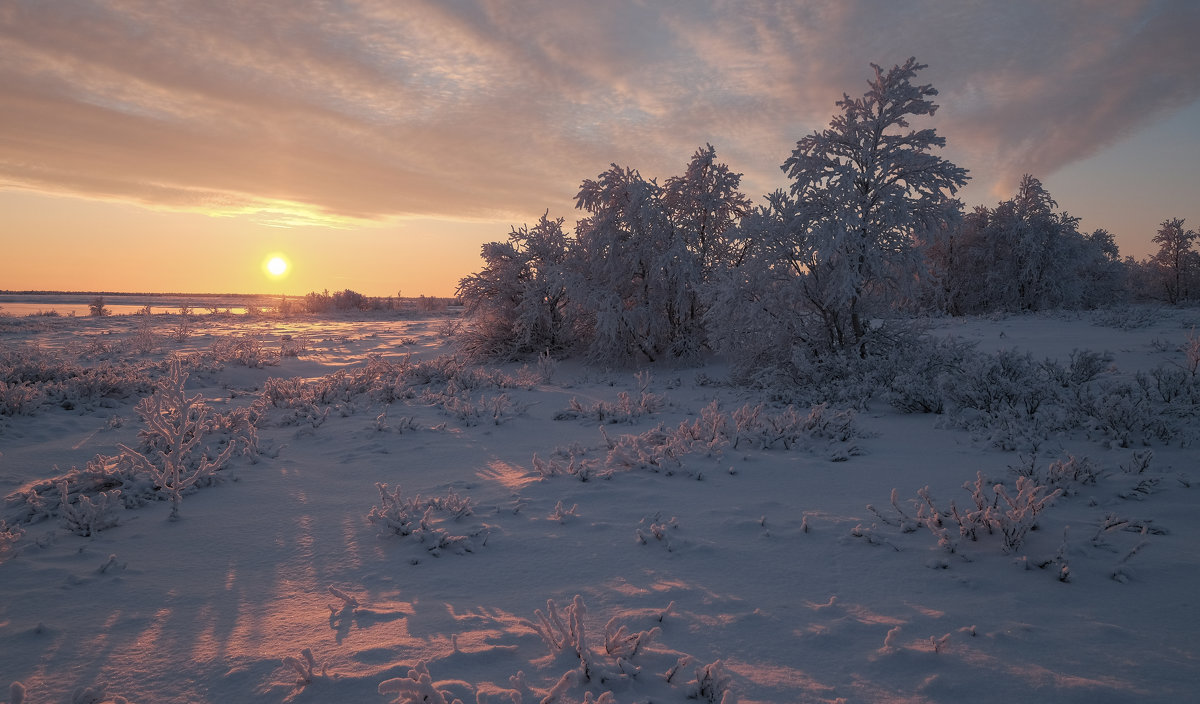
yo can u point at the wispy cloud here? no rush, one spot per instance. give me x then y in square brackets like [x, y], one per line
[315, 111]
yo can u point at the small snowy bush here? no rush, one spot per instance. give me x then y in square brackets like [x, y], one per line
[176, 425]
[1123, 414]
[712, 684]
[305, 667]
[1008, 383]
[994, 511]
[89, 514]
[18, 399]
[564, 631]
[243, 350]
[416, 688]
[424, 517]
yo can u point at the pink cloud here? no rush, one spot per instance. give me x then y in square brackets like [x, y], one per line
[498, 109]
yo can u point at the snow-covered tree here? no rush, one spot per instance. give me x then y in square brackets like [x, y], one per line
[517, 304]
[1104, 277]
[1022, 255]
[860, 189]
[631, 283]
[1176, 260]
[645, 254]
[842, 236]
[624, 271]
[704, 206]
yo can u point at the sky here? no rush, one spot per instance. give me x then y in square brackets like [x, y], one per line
[376, 145]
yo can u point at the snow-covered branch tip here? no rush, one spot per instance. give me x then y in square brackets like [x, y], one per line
[305, 666]
[416, 688]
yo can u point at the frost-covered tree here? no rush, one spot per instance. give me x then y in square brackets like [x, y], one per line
[646, 255]
[843, 233]
[1104, 276]
[517, 304]
[1023, 255]
[631, 283]
[704, 206]
[1175, 259]
[628, 271]
[860, 188]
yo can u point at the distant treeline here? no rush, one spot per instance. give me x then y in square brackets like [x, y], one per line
[349, 300]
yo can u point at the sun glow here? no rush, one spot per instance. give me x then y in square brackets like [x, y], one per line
[276, 266]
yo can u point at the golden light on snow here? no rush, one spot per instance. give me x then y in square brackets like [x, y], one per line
[276, 266]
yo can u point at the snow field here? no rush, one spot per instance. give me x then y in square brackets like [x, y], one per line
[762, 557]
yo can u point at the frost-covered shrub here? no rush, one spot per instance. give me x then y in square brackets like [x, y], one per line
[89, 514]
[462, 406]
[1007, 383]
[993, 509]
[182, 329]
[1138, 463]
[424, 517]
[1067, 474]
[625, 410]
[350, 300]
[713, 684]
[446, 382]
[663, 448]
[582, 469]
[243, 350]
[175, 427]
[416, 688]
[547, 366]
[561, 513]
[44, 499]
[1010, 400]
[758, 428]
[170, 463]
[1123, 414]
[305, 667]
[1071, 473]
[292, 346]
[1167, 385]
[564, 632]
[658, 530]
[920, 370]
[18, 398]
[142, 340]
[317, 302]
[32, 378]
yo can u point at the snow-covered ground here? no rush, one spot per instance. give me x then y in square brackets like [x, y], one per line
[560, 547]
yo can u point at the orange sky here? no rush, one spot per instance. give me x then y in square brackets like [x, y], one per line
[378, 145]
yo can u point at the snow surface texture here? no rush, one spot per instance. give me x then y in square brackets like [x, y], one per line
[362, 517]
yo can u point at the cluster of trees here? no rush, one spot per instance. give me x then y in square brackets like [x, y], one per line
[1173, 272]
[868, 225]
[350, 300]
[634, 280]
[1022, 255]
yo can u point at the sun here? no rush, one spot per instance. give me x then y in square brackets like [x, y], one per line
[276, 266]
